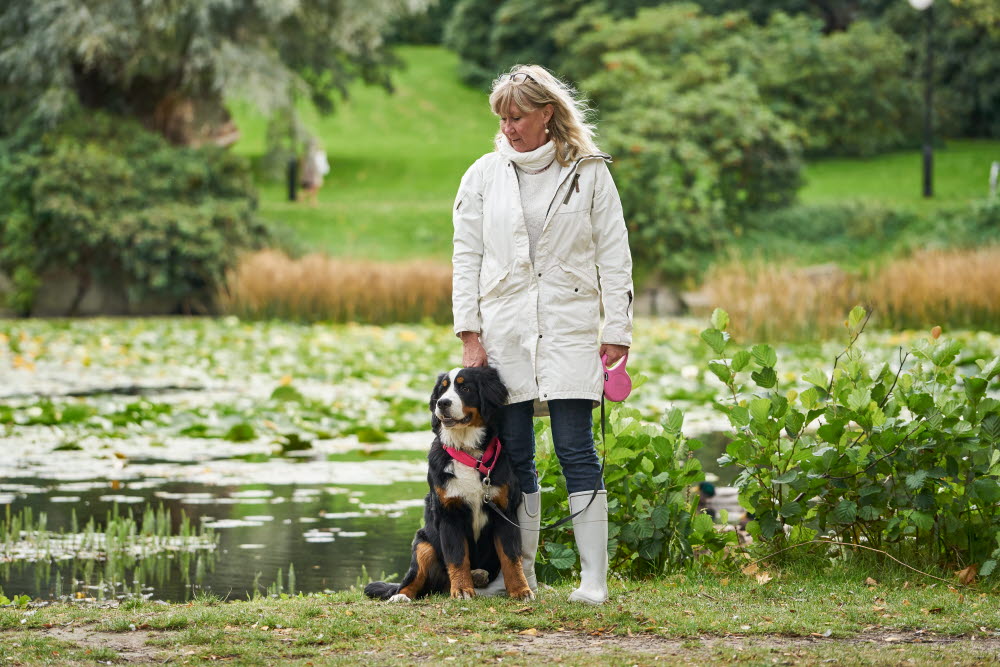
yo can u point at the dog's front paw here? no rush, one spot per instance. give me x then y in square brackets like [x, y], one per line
[480, 578]
[521, 594]
[462, 593]
[400, 597]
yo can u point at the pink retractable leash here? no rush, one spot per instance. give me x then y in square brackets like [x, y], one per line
[617, 383]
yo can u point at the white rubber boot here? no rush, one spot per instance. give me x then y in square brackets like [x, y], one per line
[590, 529]
[529, 517]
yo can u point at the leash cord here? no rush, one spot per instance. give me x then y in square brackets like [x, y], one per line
[597, 487]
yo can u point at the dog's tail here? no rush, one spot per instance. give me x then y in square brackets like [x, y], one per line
[380, 590]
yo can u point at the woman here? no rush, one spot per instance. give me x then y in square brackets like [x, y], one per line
[536, 222]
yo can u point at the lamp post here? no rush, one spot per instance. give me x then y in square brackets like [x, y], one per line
[927, 7]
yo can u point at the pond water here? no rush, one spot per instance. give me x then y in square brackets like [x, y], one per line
[319, 524]
[293, 451]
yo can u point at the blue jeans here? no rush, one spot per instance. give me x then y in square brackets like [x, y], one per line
[572, 423]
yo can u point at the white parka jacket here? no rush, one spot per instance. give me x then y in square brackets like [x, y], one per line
[540, 324]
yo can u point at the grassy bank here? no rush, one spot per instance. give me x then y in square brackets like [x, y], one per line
[961, 173]
[396, 161]
[795, 617]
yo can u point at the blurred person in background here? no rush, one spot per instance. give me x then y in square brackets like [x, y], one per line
[537, 222]
[314, 167]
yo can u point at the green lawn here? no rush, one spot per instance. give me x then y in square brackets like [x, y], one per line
[865, 615]
[396, 162]
[961, 170]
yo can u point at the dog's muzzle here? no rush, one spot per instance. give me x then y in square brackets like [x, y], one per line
[448, 421]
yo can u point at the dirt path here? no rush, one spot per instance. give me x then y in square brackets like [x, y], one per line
[574, 648]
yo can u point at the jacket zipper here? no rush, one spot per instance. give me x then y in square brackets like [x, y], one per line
[576, 181]
[575, 184]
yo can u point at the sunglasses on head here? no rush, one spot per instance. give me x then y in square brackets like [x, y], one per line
[518, 77]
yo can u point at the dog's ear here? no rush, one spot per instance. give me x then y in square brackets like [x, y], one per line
[492, 393]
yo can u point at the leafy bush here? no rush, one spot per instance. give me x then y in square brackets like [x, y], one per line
[115, 204]
[692, 158]
[895, 456]
[654, 525]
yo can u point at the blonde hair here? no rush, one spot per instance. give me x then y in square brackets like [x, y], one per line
[568, 128]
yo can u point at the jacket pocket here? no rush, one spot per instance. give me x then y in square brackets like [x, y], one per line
[587, 278]
[489, 281]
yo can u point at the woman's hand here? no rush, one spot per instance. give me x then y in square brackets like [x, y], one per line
[473, 352]
[614, 352]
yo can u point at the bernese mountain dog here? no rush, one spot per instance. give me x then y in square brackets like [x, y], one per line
[461, 534]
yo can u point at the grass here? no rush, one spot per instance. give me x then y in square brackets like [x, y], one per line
[396, 162]
[810, 612]
[961, 171]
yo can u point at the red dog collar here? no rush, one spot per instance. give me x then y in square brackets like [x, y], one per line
[492, 454]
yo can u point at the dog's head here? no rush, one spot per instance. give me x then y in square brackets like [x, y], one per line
[466, 397]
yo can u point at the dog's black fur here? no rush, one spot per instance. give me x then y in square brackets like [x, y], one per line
[446, 549]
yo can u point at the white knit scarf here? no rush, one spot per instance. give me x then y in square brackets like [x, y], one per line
[532, 161]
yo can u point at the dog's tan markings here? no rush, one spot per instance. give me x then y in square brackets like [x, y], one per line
[426, 559]
[513, 575]
[461, 577]
[501, 496]
[449, 502]
[477, 419]
[459, 380]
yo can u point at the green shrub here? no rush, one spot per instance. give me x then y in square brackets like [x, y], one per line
[897, 454]
[114, 204]
[650, 475]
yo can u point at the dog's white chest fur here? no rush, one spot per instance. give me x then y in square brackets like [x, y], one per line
[468, 485]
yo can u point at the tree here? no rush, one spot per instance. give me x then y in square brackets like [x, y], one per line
[171, 64]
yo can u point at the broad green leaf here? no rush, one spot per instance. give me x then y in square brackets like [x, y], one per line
[990, 428]
[739, 416]
[793, 423]
[846, 511]
[922, 520]
[759, 408]
[764, 355]
[660, 516]
[646, 465]
[869, 513]
[787, 478]
[831, 432]
[986, 489]
[817, 377]
[643, 528]
[715, 339]
[790, 509]
[859, 399]
[916, 479]
[987, 568]
[740, 360]
[702, 524]
[720, 319]
[721, 371]
[675, 419]
[989, 369]
[809, 398]
[765, 377]
[975, 388]
[856, 316]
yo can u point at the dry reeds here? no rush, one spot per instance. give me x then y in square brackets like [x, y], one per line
[956, 288]
[770, 301]
[269, 284]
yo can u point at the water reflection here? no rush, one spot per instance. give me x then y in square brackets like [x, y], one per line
[323, 535]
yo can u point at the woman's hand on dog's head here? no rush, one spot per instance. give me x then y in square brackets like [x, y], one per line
[473, 352]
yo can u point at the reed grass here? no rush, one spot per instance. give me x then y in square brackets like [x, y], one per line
[269, 284]
[955, 288]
